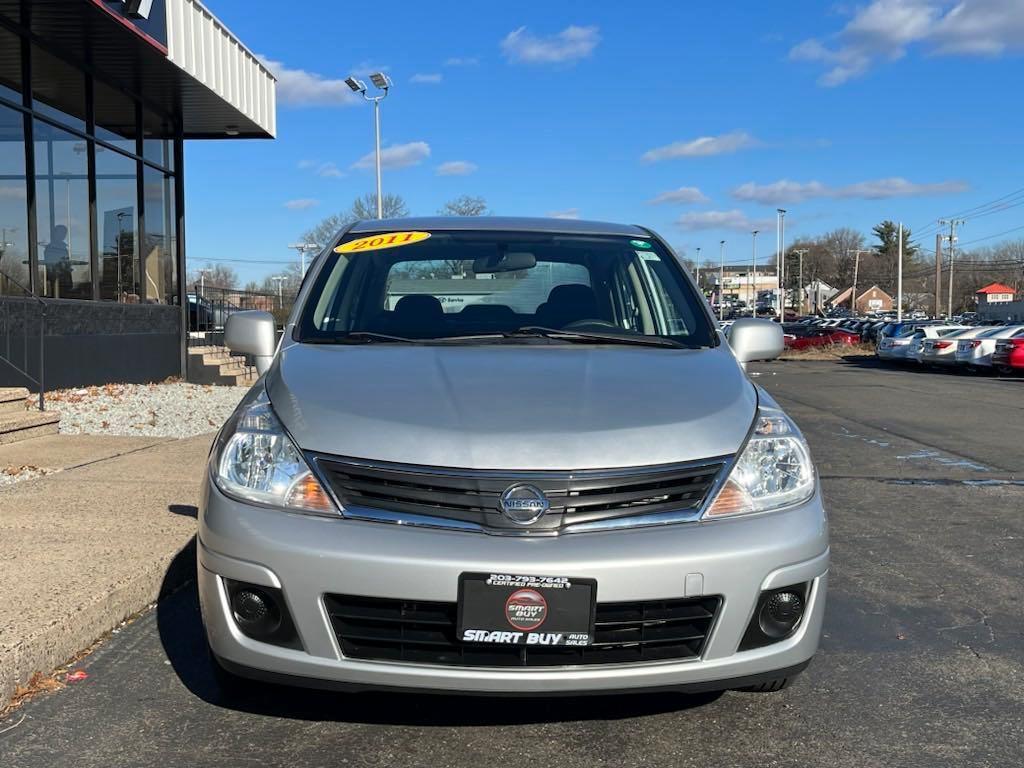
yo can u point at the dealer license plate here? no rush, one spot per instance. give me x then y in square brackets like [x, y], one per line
[504, 609]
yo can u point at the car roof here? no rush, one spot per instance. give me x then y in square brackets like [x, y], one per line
[499, 224]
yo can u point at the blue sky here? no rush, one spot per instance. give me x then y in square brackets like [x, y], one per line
[844, 114]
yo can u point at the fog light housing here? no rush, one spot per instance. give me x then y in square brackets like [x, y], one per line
[261, 613]
[777, 616]
[781, 613]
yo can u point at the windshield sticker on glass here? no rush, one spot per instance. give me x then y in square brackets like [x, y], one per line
[640, 244]
[380, 242]
[648, 256]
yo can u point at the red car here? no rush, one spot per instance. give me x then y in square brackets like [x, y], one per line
[1009, 353]
[804, 338]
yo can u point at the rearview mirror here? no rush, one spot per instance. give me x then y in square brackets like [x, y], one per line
[504, 262]
[253, 332]
[752, 339]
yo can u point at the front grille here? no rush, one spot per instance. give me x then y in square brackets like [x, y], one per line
[425, 633]
[471, 496]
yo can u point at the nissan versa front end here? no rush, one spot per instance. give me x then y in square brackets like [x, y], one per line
[509, 456]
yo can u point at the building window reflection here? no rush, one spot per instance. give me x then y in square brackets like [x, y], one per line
[14, 266]
[160, 273]
[62, 213]
[117, 227]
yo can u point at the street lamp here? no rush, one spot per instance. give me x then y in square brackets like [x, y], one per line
[303, 249]
[698, 267]
[780, 268]
[753, 274]
[280, 294]
[721, 281]
[383, 83]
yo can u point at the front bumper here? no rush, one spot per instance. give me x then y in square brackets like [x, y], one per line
[307, 557]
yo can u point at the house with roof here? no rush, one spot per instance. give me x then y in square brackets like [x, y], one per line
[994, 293]
[999, 302]
[874, 299]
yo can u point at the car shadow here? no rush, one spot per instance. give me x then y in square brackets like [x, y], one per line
[181, 634]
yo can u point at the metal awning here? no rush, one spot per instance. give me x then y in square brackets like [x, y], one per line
[181, 61]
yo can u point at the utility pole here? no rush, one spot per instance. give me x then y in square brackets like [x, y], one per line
[856, 269]
[953, 224]
[899, 278]
[780, 266]
[721, 281]
[938, 274]
[698, 267]
[801, 252]
[753, 275]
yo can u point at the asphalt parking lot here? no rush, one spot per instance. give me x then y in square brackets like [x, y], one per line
[921, 663]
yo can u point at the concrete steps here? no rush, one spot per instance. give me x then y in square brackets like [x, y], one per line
[17, 423]
[216, 365]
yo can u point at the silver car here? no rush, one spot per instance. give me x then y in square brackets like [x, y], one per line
[509, 456]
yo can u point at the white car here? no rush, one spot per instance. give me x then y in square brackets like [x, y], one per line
[942, 350]
[977, 352]
[917, 340]
[898, 347]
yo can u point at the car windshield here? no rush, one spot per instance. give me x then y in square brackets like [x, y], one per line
[486, 287]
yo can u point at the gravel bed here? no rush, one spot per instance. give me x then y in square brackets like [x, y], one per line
[12, 475]
[151, 410]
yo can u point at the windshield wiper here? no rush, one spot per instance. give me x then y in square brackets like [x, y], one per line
[364, 337]
[590, 337]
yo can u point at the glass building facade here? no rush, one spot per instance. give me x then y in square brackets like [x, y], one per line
[88, 198]
[96, 100]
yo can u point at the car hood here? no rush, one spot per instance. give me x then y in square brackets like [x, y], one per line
[513, 407]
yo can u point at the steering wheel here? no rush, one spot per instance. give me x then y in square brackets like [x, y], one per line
[590, 324]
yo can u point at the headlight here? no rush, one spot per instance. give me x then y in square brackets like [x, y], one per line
[258, 462]
[774, 470]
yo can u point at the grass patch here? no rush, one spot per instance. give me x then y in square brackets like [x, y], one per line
[830, 352]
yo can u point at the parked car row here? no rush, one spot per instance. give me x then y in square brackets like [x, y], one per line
[974, 348]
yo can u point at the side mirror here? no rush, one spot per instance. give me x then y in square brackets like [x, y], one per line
[252, 333]
[756, 340]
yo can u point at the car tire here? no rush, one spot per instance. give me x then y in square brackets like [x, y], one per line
[769, 686]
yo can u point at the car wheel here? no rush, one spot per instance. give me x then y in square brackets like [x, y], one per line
[769, 686]
[1004, 370]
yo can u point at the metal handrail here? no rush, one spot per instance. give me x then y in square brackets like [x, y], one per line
[41, 381]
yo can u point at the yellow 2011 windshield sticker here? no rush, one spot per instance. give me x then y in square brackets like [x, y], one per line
[380, 242]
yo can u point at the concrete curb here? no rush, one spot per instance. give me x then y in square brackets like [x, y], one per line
[61, 641]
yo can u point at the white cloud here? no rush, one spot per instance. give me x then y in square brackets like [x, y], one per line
[299, 88]
[397, 156]
[786, 191]
[705, 146]
[568, 213]
[325, 170]
[329, 171]
[734, 219]
[462, 61]
[885, 29]
[430, 78]
[456, 168]
[683, 195]
[12, 193]
[302, 204]
[571, 44]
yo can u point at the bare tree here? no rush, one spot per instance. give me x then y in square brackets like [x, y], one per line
[465, 205]
[841, 244]
[214, 276]
[362, 208]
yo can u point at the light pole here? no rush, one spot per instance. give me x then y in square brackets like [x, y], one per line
[303, 249]
[280, 294]
[721, 281]
[780, 267]
[383, 83]
[753, 274]
[698, 267]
